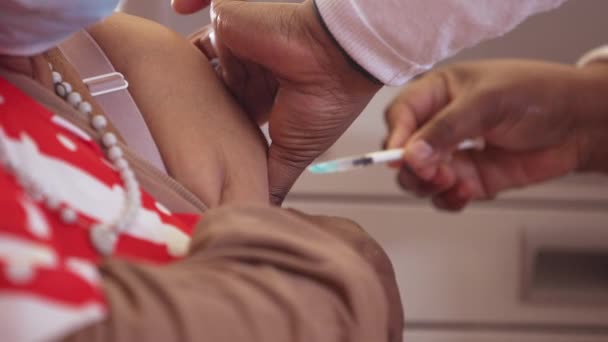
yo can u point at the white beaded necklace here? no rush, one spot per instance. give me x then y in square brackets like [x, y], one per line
[103, 235]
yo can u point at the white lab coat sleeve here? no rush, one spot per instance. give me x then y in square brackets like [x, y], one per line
[394, 40]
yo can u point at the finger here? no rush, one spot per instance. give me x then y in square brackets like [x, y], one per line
[262, 88]
[284, 168]
[500, 170]
[444, 179]
[414, 106]
[234, 72]
[233, 21]
[438, 138]
[455, 199]
[189, 6]
[298, 136]
[204, 40]
[407, 180]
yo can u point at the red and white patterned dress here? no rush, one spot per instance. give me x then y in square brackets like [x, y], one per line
[49, 281]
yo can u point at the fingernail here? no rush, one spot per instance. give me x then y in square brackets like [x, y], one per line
[420, 151]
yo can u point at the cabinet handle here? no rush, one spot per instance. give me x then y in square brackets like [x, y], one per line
[565, 266]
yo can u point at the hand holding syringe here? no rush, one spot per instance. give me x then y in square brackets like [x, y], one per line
[380, 157]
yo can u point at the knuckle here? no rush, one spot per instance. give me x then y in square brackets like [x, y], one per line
[276, 198]
[442, 129]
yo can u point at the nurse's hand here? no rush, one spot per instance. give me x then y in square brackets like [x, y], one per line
[540, 121]
[282, 64]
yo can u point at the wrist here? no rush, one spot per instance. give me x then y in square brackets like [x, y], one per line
[348, 58]
[340, 60]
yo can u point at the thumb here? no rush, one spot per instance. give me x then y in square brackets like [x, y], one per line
[235, 20]
[284, 168]
[464, 118]
[189, 6]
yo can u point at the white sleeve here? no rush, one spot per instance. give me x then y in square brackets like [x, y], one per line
[395, 40]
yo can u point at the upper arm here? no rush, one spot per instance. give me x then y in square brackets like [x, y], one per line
[207, 142]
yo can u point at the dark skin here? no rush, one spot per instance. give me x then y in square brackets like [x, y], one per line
[290, 72]
[540, 121]
[230, 139]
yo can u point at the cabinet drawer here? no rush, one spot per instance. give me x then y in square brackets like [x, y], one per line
[474, 267]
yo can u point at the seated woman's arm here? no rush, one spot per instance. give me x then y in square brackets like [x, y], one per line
[257, 275]
[206, 141]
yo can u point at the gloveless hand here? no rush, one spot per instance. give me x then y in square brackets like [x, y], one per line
[540, 121]
[282, 64]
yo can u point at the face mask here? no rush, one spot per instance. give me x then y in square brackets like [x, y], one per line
[29, 27]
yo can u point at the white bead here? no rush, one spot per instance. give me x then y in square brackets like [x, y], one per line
[134, 204]
[68, 216]
[68, 87]
[74, 99]
[133, 195]
[85, 107]
[60, 90]
[109, 139]
[57, 77]
[136, 201]
[126, 175]
[99, 122]
[115, 153]
[52, 203]
[103, 239]
[121, 164]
